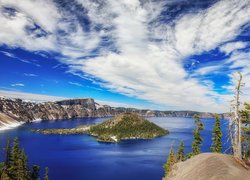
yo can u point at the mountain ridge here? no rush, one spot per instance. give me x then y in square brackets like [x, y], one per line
[17, 110]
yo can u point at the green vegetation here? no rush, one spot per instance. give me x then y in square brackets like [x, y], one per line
[245, 118]
[46, 175]
[123, 126]
[173, 158]
[197, 136]
[126, 126]
[217, 134]
[168, 166]
[15, 165]
[181, 154]
[64, 131]
[245, 115]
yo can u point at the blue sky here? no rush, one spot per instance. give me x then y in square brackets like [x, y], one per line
[166, 55]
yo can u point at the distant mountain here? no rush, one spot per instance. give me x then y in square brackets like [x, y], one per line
[14, 111]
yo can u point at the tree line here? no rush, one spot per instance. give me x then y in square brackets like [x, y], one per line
[15, 165]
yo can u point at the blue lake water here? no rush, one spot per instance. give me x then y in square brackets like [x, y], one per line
[81, 157]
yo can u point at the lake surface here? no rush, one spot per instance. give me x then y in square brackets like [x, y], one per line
[81, 157]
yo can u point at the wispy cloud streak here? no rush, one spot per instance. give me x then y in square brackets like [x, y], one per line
[125, 47]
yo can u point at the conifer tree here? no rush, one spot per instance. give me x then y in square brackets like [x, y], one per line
[13, 170]
[245, 118]
[46, 175]
[1, 168]
[170, 162]
[7, 154]
[22, 166]
[197, 136]
[217, 134]
[15, 166]
[181, 154]
[35, 172]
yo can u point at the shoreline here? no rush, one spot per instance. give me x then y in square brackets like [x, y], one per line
[10, 126]
[7, 126]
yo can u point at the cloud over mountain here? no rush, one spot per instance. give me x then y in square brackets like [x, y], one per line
[138, 48]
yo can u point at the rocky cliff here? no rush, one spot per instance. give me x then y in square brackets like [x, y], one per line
[17, 110]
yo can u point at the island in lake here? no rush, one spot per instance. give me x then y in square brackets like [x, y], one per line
[121, 127]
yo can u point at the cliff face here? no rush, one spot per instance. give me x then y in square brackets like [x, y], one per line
[17, 110]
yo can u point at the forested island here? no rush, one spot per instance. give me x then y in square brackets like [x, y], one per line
[121, 127]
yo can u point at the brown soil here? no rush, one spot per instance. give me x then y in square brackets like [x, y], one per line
[209, 166]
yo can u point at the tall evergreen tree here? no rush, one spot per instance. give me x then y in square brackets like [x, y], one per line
[245, 118]
[170, 162]
[22, 166]
[46, 175]
[1, 168]
[7, 154]
[13, 170]
[181, 154]
[217, 134]
[197, 136]
[15, 166]
[35, 172]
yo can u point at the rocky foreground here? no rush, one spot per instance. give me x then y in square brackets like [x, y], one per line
[209, 166]
[121, 127]
[14, 111]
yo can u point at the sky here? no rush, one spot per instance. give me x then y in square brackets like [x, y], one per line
[154, 54]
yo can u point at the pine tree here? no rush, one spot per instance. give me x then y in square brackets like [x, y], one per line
[46, 175]
[181, 154]
[4, 176]
[245, 118]
[197, 136]
[35, 172]
[170, 162]
[22, 166]
[7, 154]
[1, 167]
[13, 170]
[15, 166]
[217, 134]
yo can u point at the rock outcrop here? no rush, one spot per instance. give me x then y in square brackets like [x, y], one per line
[207, 166]
[17, 110]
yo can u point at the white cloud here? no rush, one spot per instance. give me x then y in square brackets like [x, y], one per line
[30, 74]
[8, 54]
[154, 71]
[118, 104]
[29, 96]
[207, 70]
[142, 68]
[44, 98]
[239, 62]
[76, 84]
[17, 84]
[73, 42]
[230, 47]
